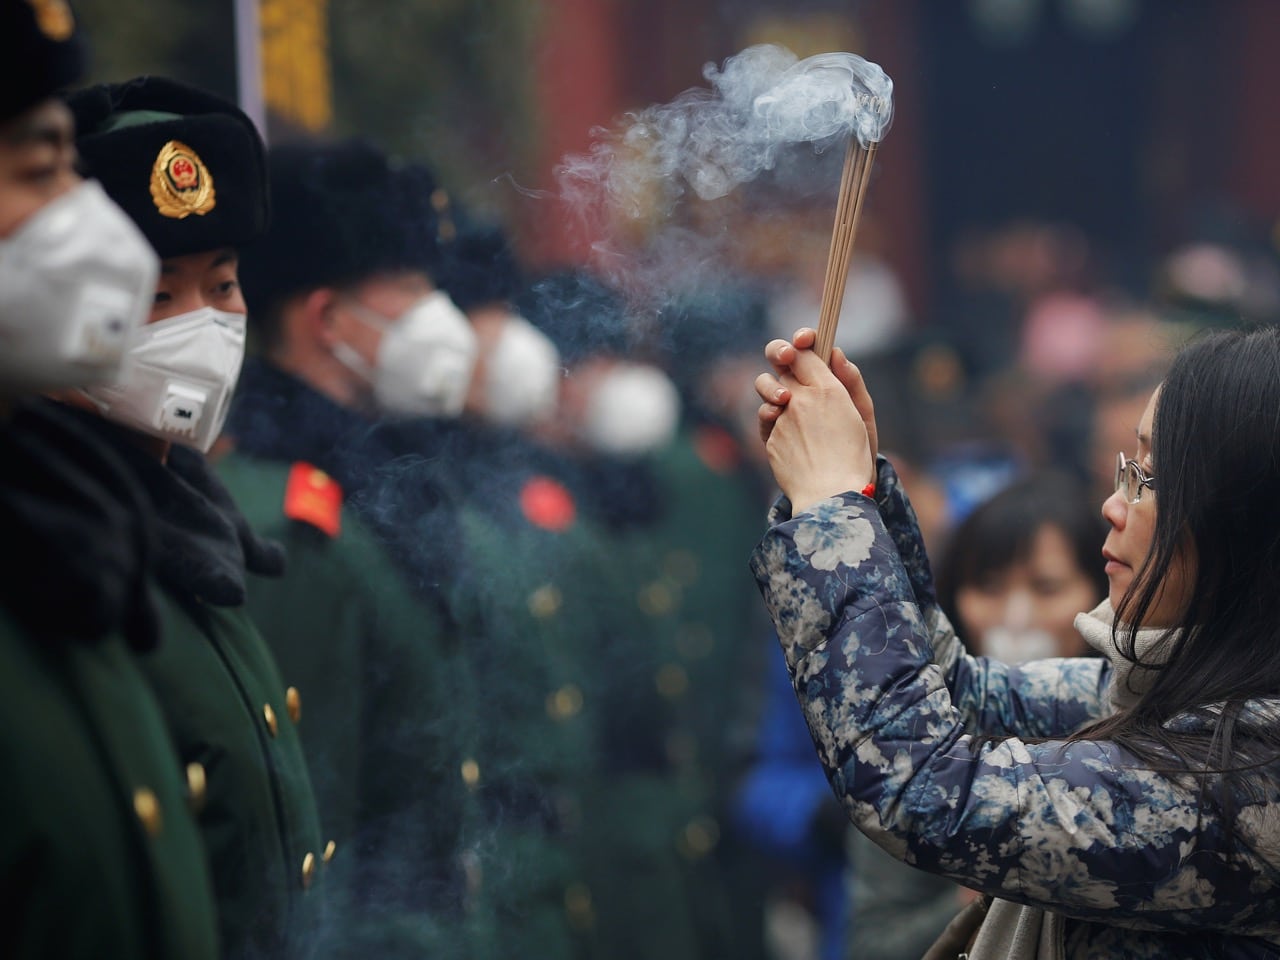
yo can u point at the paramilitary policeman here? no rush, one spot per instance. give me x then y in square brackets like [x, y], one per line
[366, 367]
[372, 660]
[99, 854]
[528, 555]
[189, 169]
[646, 827]
[713, 497]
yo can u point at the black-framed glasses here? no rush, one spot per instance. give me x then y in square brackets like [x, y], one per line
[1130, 479]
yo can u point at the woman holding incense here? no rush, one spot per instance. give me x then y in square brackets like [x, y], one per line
[1127, 806]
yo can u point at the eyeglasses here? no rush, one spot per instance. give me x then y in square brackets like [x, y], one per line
[1130, 479]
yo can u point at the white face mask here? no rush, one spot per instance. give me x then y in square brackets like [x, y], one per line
[178, 377]
[522, 375]
[425, 359]
[76, 279]
[634, 409]
[1018, 644]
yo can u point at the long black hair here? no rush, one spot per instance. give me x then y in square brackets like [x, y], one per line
[1216, 461]
[1002, 532]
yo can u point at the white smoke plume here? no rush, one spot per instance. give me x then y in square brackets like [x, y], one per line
[711, 140]
[708, 141]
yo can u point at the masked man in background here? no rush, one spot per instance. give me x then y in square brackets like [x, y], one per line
[367, 370]
[376, 661]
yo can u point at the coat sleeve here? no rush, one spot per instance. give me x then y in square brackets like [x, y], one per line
[1077, 827]
[1045, 698]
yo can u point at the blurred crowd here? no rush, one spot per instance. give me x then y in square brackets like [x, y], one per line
[426, 573]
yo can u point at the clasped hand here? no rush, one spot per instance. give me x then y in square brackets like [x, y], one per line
[818, 422]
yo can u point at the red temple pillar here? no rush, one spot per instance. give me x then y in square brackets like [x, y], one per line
[898, 199]
[1251, 38]
[578, 87]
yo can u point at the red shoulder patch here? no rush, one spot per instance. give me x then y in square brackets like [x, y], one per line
[717, 449]
[312, 496]
[548, 504]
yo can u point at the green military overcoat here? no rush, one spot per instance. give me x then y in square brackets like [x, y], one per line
[369, 678]
[99, 854]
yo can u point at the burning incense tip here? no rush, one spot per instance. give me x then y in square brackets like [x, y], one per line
[827, 95]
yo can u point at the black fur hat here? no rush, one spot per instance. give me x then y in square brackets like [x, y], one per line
[186, 165]
[342, 212]
[479, 268]
[40, 53]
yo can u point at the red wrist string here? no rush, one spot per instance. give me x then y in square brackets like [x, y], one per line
[869, 490]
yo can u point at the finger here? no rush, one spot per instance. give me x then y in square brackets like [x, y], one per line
[771, 390]
[808, 369]
[805, 338]
[847, 373]
[765, 418]
[770, 412]
[780, 354]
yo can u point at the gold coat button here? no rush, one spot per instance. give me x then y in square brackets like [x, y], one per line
[330, 849]
[470, 773]
[293, 702]
[658, 598]
[269, 715]
[578, 906]
[197, 785]
[308, 870]
[671, 680]
[698, 838]
[147, 807]
[545, 602]
[565, 703]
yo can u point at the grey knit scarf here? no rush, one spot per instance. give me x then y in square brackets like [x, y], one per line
[1128, 680]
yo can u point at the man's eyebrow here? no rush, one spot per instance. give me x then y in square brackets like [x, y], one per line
[224, 258]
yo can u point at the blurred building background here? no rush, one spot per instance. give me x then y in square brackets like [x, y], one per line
[1134, 120]
[1051, 162]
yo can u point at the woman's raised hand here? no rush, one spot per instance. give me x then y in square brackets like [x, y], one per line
[781, 355]
[818, 423]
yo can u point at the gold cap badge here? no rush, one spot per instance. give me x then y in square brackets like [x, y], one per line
[180, 182]
[54, 19]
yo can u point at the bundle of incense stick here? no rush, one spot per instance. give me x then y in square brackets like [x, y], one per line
[853, 190]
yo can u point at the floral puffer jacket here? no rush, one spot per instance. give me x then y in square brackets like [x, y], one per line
[1137, 862]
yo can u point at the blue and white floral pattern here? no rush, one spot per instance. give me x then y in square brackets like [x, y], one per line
[1137, 861]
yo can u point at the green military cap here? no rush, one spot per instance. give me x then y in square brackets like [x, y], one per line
[40, 53]
[186, 165]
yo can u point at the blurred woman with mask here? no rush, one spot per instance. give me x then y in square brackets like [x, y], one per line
[1018, 569]
[188, 169]
[99, 855]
